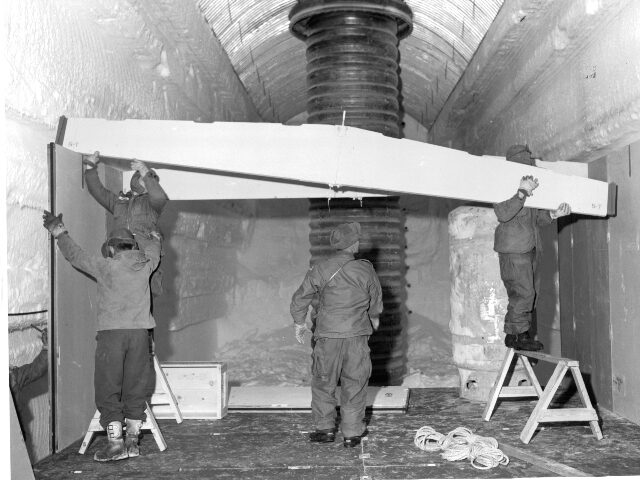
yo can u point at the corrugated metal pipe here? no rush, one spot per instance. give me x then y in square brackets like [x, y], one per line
[352, 79]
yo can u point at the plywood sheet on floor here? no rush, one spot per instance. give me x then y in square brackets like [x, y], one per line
[249, 398]
[274, 445]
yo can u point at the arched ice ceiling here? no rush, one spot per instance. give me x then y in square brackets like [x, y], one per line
[270, 62]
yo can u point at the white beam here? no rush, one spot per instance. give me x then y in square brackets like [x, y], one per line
[184, 185]
[329, 155]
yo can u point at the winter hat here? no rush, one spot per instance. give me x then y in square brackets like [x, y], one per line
[345, 235]
[520, 154]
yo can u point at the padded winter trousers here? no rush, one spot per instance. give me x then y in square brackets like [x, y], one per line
[347, 360]
[122, 372]
[518, 273]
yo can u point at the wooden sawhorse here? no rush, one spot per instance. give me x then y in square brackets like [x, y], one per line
[163, 397]
[149, 424]
[541, 413]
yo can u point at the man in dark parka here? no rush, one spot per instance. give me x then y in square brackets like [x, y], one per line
[349, 305]
[124, 320]
[517, 241]
[138, 210]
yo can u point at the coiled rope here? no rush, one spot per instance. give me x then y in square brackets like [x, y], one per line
[461, 443]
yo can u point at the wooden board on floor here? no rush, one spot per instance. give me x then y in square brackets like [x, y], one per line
[299, 398]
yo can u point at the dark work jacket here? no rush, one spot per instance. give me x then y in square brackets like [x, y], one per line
[138, 213]
[517, 231]
[346, 302]
[124, 300]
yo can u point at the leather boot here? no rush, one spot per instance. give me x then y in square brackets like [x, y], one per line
[322, 436]
[510, 340]
[525, 342]
[114, 450]
[131, 440]
[353, 441]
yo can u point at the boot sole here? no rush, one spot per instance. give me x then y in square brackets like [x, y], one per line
[112, 459]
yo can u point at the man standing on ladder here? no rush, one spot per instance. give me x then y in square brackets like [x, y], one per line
[349, 306]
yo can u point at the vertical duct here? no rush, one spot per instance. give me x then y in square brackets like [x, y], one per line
[352, 78]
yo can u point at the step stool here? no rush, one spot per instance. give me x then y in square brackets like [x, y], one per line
[158, 398]
[541, 413]
[149, 424]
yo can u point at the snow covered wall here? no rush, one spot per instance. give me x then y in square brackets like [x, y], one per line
[103, 59]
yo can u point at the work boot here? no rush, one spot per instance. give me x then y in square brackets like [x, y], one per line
[354, 441]
[525, 342]
[114, 450]
[322, 436]
[510, 340]
[132, 437]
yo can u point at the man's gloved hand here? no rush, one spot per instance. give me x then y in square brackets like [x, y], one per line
[563, 210]
[375, 323]
[528, 184]
[140, 166]
[92, 160]
[300, 331]
[53, 224]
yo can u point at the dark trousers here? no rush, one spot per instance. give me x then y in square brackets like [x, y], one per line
[518, 273]
[122, 373]
[349, 361]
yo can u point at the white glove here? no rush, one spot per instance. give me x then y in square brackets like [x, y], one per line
[563, 210]
[528, 184]
[92, 160]
[375, 323]
[140, 166]
[300, 331]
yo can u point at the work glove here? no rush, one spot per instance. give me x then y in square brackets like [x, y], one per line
[140, 166]
[375, 323]
[300, 331]
[92, 160]
[53, 224]
[528, 184]
[563, 210]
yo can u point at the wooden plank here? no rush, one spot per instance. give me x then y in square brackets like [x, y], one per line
[585, 310]
[19, 458]
[568, 415]
[329, 155]
[74, 297]
[543, 403]
[497, 386]
[548, 358]
[279, 398]
[514, 392]
[532, 375]
[542, 462]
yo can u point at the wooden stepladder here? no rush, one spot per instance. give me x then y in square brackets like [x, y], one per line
[158, 398]
[164, 395]
[542, 413]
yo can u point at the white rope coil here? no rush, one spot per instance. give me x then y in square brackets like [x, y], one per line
[461, 443]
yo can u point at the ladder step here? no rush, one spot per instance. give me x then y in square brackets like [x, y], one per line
[515, 392]
[568, 415]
